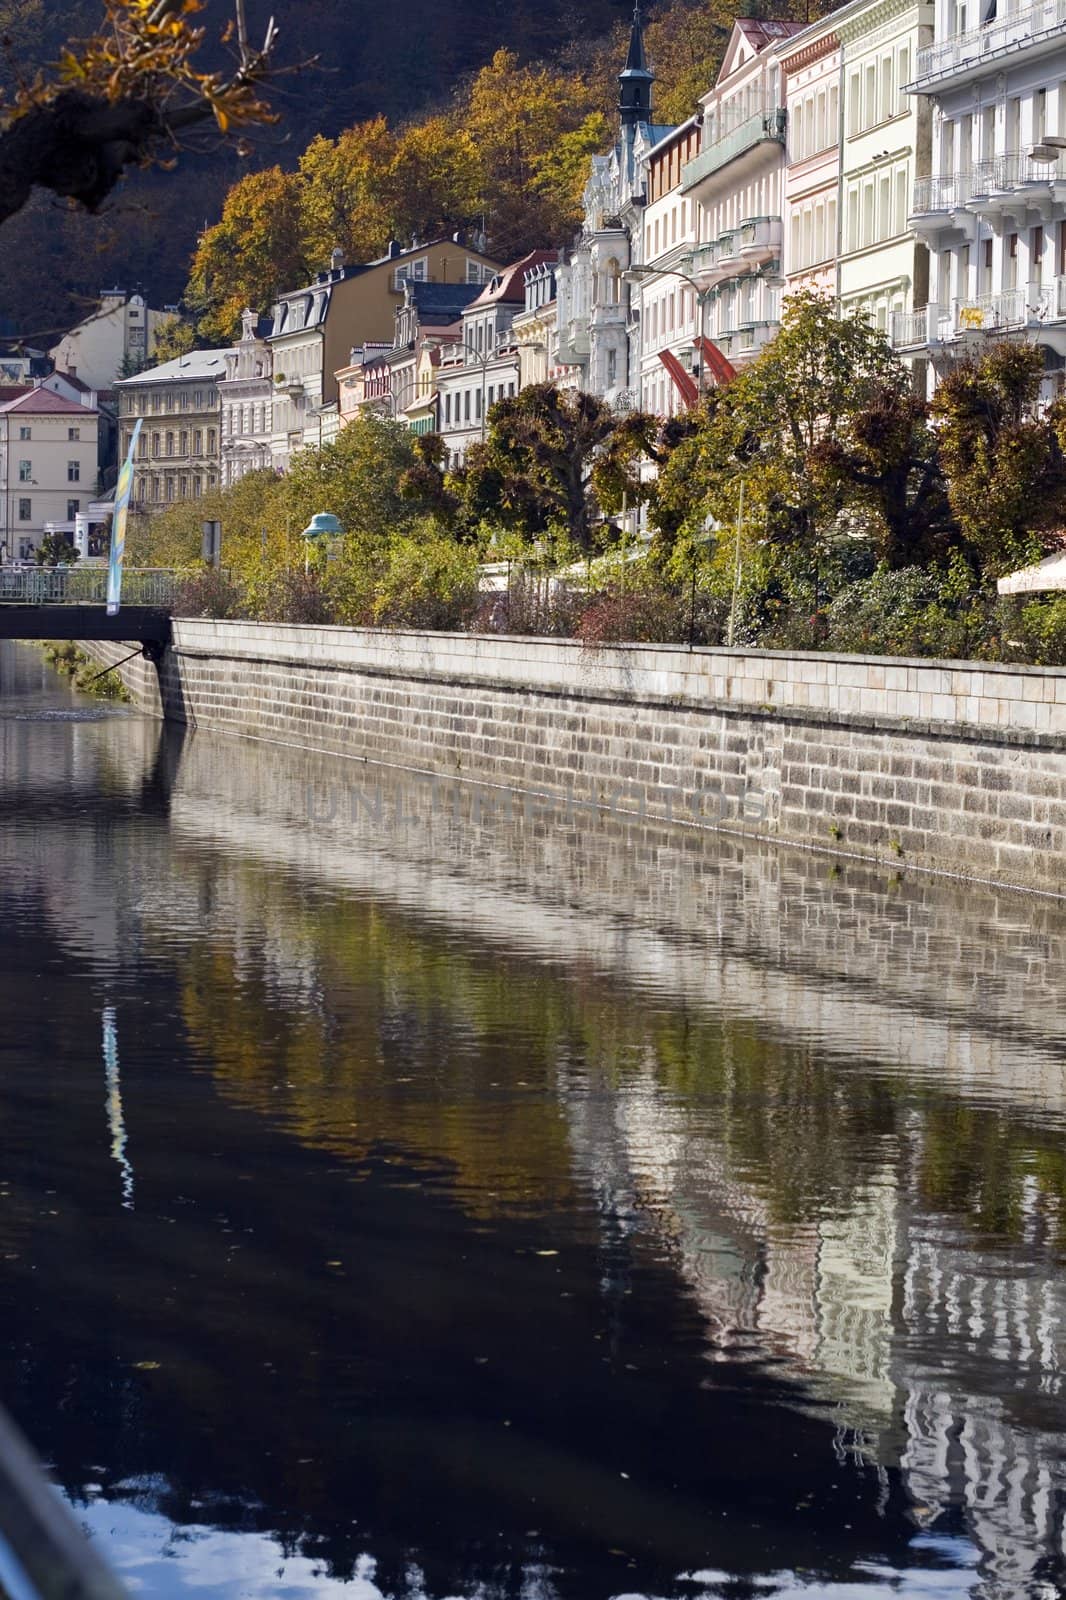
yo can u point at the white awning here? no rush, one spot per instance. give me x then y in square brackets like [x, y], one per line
[1047, 574]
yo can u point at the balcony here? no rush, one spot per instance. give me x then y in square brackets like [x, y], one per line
[915, 330]
[752, 338]
[987, 189]
[760, 239]
[1033, 30]
[763, 127]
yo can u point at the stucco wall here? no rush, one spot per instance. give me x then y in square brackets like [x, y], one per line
[943, 766]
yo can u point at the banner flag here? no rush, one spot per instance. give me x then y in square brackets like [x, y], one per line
[123, 491]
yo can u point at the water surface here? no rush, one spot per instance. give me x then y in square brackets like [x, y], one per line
[406, 1194]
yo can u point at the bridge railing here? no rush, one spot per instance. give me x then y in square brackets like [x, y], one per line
[141, 586]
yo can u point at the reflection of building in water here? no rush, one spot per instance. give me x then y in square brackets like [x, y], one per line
[944, 1357]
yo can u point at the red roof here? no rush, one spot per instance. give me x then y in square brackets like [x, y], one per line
[35, 402]
[510, 284]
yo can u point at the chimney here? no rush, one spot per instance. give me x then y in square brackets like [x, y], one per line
[336, 260]
[395, 249]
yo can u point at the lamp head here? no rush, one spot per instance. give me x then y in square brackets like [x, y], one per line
[322, 525]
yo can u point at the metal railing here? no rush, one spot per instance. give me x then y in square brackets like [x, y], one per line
[910, 328]
[37, 586]
[753, 130]
[1001, 174]
[980, 45]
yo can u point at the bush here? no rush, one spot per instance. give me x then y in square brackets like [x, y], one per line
[209, 593]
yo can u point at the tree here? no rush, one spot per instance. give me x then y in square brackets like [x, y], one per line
[1004, 462]
[886, 461]
[123, 97]
[55, 550]
[764, 430]
[534, 471]
[516, 116]
[173, 338]
[255, 251]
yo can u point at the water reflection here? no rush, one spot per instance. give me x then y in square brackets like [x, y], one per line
[555, 1205]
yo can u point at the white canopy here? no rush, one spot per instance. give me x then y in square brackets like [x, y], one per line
[1047, 574]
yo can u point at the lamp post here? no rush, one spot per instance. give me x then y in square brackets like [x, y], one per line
[323, 525]
[634, 275]
[483, 359]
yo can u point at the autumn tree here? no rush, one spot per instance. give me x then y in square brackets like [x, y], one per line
[1003, 460]
[172, 338]
[516, 116]
[535, 470]
[247, 258]
[884, 462]
[122, 97]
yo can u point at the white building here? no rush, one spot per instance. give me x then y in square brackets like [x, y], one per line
[811, 66]
[48, 468]
[737, 183]
[481, 366]
[883, 267]
[118, 337]
[664, 301]
[246, 395]
[993, 208]
[597, 336]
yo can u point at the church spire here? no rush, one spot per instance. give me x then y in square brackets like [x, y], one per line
[636, 78]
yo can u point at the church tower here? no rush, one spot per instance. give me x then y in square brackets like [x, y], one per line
[635, 79]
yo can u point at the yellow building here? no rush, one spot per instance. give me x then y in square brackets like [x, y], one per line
[316, 328]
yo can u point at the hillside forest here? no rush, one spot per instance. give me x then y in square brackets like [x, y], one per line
[479, 117]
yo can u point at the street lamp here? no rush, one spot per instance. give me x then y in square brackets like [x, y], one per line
[483, 359]
[323, 525]
[636, 275]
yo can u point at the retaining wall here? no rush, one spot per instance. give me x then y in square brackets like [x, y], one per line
[945, 766]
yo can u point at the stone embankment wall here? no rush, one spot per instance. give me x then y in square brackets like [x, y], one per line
[946, 766]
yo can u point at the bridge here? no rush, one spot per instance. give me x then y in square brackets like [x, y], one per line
[65, 603]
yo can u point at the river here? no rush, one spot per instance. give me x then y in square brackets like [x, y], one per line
[408, 1193]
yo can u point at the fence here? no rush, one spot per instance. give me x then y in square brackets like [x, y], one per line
[141, 586]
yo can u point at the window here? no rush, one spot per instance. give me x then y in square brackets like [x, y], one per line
[73, 434]
[447, 410]
[25, 433]
[612, 368]
[198, 400]
[170, 400]
[25, 471]
[73, 471]
[197, 442]
[25, 511]
[210, 441]
[183, 447]
[73, 507]
[477, 405]
[169, 450]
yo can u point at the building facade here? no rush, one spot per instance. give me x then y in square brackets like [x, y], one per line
[811, 219]
[316, 327]
[597, 334]
[665, 300]
[48, 468]
[885, 132]
[992, 209]
[118, 337]
[178, 455]
[536, 330]
[481, 366]
[736, 183]
[246, 396]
